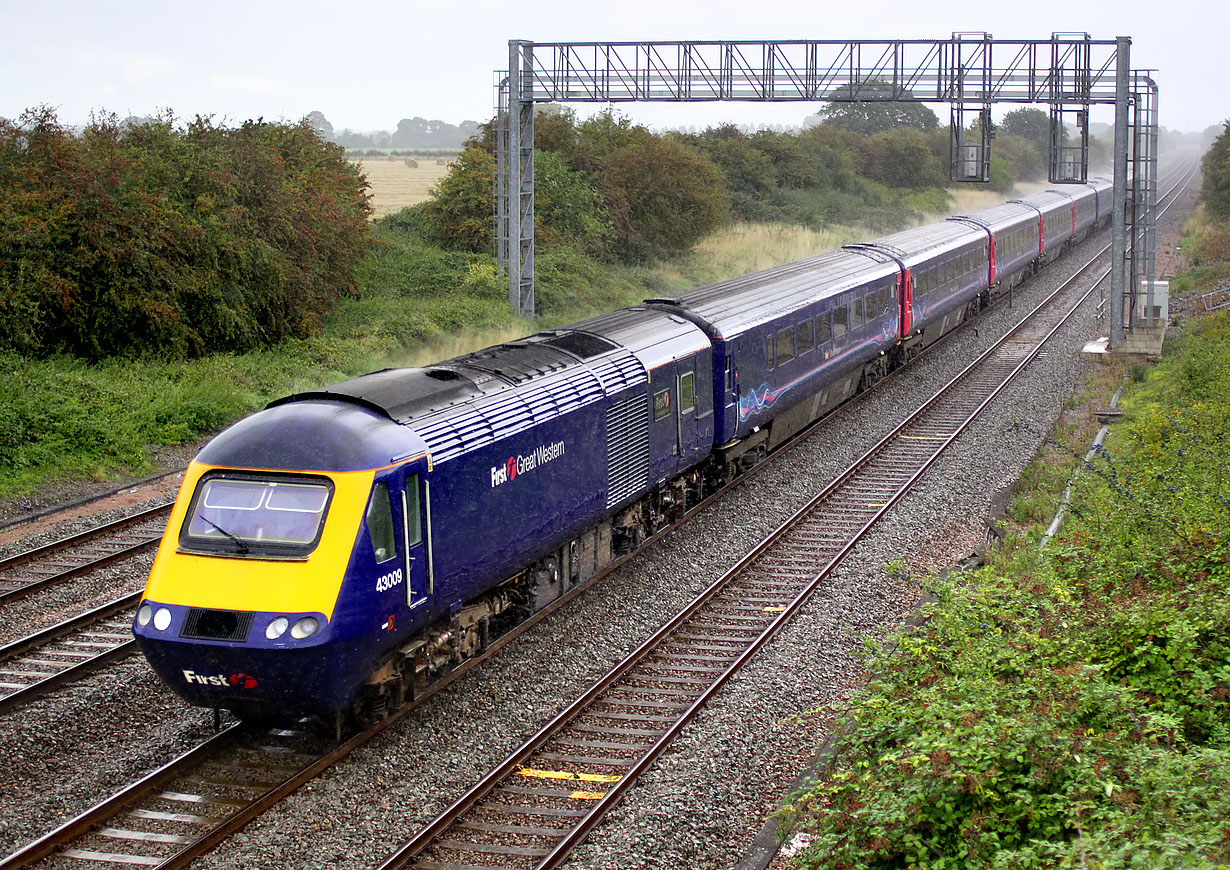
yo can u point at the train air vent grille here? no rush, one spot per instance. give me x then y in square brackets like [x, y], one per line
[619, 372]
[627, 448]
[217, 625]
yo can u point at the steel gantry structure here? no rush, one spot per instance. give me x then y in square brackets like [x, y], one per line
[970, 71]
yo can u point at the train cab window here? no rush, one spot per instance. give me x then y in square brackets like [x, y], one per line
[380, 523]
[806, 337]
[824, 328]
[661, 404]
[413, 511]
[785, 346]
[840, 319]
[768, 352]
[256, 516]
[856, 313]
[687, 392]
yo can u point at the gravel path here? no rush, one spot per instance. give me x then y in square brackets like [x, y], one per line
[710, 792]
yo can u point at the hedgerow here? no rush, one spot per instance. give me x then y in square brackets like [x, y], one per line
[151, 238]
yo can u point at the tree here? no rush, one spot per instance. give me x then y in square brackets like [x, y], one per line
[318, 122]
[1021, 155]
[1032, 125]
[1216, 166]
[667, 197]
[461, 210]
[878, 116]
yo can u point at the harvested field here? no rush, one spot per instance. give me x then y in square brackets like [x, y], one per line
[394, 185]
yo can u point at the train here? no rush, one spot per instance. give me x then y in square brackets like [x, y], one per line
[334, 553]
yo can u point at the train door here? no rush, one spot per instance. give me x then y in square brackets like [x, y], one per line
[693, 413]
[664, 429]
[394, 525]
[414, 520]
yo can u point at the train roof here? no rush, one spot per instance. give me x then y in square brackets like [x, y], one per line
[998, 218]
[729, 308]
[1047, 201]
[474, 399]
[927, 241]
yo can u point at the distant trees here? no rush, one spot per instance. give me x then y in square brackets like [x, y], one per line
[1216, 166]
[421, 133]
[150, 238]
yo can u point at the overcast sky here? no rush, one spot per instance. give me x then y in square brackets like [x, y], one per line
[370, 64]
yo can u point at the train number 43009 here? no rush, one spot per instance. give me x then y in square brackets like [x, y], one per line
[388, 581]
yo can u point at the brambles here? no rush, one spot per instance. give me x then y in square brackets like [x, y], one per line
[1070, 707]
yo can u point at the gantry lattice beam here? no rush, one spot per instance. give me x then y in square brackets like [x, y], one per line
[1066, 68]
[1069, 72]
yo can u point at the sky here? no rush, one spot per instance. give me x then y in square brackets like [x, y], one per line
[367, 65]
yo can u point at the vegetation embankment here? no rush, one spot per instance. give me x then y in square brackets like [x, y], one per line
[1068, 707]
[161, 280]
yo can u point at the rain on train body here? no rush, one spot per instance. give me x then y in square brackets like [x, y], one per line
[337, 550]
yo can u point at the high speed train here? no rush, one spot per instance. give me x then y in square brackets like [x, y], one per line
[335, 552]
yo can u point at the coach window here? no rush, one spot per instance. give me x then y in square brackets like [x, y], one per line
[730, 376]
[413, 510]
[687, 392]
[856, 313]
[768, 351]
[785, 346]
[824, 328]
[380, 524]
[805, 337]
[661, 404]
[839, 321]
[886, 299]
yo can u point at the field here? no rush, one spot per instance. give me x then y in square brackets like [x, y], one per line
[394, 185]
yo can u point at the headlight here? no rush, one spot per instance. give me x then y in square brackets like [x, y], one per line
[144, 615]
[162, 619]
[277, 628]
[305, 627]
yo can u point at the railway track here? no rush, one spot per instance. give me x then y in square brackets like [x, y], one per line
[545, 798]
[53, 563]
[68, 651]
[229, 789]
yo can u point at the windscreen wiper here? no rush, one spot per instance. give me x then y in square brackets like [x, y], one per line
[240, 544]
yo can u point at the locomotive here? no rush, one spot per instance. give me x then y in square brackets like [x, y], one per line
[335, 552]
